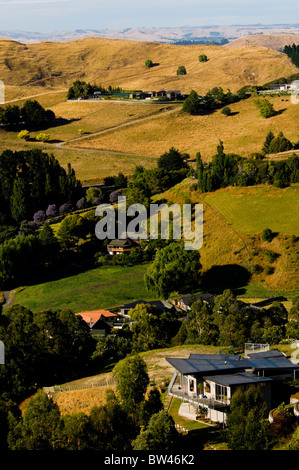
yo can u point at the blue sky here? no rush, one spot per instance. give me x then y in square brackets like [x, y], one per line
[52, 15]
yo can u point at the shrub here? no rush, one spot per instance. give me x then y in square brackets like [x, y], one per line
[267, 235]
[202, 58]
[24, 135]
[271, 256]
[269, 270]
[149, 63]
[42, 137]
[181, 70]
[226, 111]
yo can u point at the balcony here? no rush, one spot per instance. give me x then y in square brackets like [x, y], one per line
[209, 402]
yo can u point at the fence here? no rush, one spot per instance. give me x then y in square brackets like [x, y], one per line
[72, 387]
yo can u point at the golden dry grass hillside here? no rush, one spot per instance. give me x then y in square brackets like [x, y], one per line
[243, 132]
[42, 66]
[271, 41]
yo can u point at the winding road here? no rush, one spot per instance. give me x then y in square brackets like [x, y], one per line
[158, 114]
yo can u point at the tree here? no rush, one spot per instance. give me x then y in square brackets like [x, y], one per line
[294, 312]
[41, 426]
[152, 329]
[191, 104]
[270, 136]
[10, 116]
[160, 435]
[52, 210]
[226, 111]
[19, 202]
[181, 70]
[173, 160]
[265, 107]
[247, 428]
[152, 405]
[149, 63]
[200, 327]
[174, 269]
[34, 115]
[279, 144]
[72, 229]
[39, 216]
[94, 195]
[113, 429]
[77, 432]
[284, 423]
[202, 58]
[131, 382]
[267, 235]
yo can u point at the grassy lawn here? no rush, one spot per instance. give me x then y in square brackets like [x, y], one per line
[100, 288]
[252, 209]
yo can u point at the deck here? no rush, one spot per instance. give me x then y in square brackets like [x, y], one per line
[178, 392]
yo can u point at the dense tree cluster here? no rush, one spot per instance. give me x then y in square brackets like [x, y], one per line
[41, 348]
[233, 170]
[172, 168]
[82, 89]
[293, 53]
[31, 180]
[214, 99]
[32, 115]
[227, 321]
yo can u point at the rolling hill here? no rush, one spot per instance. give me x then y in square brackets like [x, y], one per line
[49, 65]
[270, 41]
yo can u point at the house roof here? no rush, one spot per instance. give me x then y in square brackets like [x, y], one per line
[236, 379]
[211, 363]
[270, 360]
[93, 316]
[206, 363]
[188, 297]
[160, 304]
[120, 242]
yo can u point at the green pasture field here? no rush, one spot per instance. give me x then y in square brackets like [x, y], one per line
[100, 288]
[252, 209]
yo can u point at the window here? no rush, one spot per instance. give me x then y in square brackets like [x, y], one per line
[221, 392]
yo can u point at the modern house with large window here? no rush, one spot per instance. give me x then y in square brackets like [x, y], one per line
[208, 381]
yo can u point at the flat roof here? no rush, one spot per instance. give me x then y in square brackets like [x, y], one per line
[236, 379]
[206, 363]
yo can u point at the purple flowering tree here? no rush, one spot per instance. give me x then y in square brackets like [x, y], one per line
[81, 203]
[65, 208]
[52, 210]
[39, 216]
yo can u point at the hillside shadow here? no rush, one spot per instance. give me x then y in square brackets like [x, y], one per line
[230, 276]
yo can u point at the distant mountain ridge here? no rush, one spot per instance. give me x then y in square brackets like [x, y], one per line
[184, 34]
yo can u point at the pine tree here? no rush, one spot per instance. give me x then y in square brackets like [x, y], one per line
[19, 202]
[270, 136]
